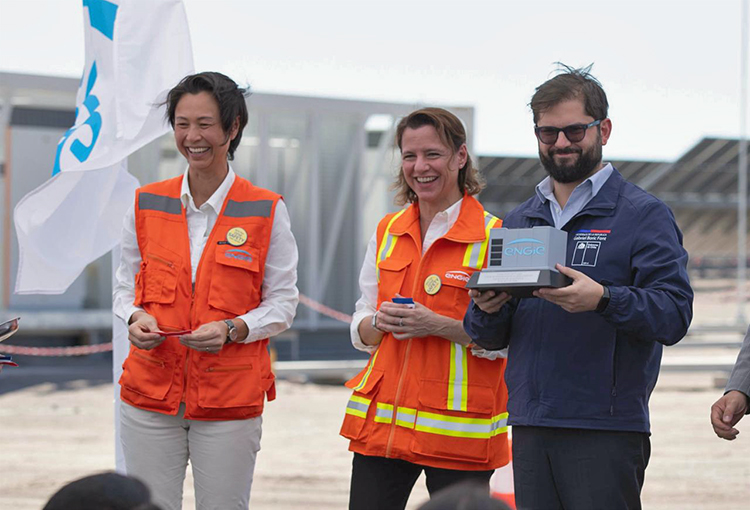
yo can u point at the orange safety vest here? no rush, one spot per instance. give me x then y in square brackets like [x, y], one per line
[428, 400]
[232, 384]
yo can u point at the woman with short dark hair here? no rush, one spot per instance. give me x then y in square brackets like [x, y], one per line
[207, 275]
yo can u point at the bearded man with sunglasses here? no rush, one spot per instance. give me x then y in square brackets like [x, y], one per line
[583, 359]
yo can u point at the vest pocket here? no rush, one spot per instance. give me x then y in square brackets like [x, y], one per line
[391, 274]
[445, 433]
[365, 386]
[147, 375]
[156, 282]
[234, 285]
[229, 382]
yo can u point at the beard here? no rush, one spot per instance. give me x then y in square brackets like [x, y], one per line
[572, 171]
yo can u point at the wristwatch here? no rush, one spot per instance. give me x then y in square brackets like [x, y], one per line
[604, 301]
[231, 331]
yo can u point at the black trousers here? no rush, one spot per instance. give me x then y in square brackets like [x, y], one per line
[576, 469]
[385, 484]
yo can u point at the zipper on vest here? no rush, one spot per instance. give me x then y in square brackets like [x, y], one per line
[235, 368]
[149, 359]
[396, 401]
[187, 357]
[159, 259]
[192, 305]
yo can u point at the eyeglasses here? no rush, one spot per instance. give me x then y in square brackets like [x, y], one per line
[574, 133]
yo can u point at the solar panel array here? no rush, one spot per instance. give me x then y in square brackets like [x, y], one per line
[700, 188]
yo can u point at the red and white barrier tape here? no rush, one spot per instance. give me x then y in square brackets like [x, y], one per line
[321, 308]
[83, 350]
[78, 350]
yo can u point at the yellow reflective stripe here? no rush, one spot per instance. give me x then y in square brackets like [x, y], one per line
[363, 382]
[382, 253]
[383, 413]
[480, 428]
[483, 250]
[435, 423]
[406, 417]
[457, 378]
[475, 252]
[390, 247]
[387, 243]
[467, 255]
[499, 424]
[358, 406]
[356, 412]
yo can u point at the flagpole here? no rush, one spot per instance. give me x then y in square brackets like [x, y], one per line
[742, 178]
[7, 223]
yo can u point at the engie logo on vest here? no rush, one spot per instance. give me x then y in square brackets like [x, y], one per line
[458, 275]
[524, 247]
[239, 255]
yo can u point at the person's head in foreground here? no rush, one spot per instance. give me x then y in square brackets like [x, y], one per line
[464, 496]
[103, 491]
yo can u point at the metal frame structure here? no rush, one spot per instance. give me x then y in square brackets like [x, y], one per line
[334, 173]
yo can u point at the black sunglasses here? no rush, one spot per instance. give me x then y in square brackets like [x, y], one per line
[574, 133]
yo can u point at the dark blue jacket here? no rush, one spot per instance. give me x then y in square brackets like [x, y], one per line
[594, 370]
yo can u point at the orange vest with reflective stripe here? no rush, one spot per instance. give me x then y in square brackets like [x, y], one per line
[429, 400]
[232, 384]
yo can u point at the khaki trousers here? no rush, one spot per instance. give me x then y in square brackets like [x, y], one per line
[222, 453]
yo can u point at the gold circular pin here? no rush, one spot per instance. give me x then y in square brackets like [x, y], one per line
[432, 284]
[237, 236]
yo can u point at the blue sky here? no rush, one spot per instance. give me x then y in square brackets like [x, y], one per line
[671, 69]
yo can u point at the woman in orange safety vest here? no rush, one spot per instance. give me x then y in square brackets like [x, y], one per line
[427, 400]
[207, 274]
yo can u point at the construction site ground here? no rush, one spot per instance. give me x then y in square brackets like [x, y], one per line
[56, 425]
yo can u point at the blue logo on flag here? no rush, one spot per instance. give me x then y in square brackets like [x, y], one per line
[102, 15]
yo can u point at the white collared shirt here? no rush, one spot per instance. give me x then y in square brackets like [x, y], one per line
[280, 296]
[368, 279]
[582, 195]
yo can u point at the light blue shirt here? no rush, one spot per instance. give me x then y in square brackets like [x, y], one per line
[581, 196]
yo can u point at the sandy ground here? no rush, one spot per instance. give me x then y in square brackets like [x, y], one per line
[54, 432]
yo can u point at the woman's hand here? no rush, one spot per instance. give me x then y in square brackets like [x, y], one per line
[209, 337]
[140, 331]
[406, 322]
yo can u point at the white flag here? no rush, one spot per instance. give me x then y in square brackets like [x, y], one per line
[136, 50]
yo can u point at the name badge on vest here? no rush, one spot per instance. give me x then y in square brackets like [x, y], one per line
[237, 236]
[432, 284]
